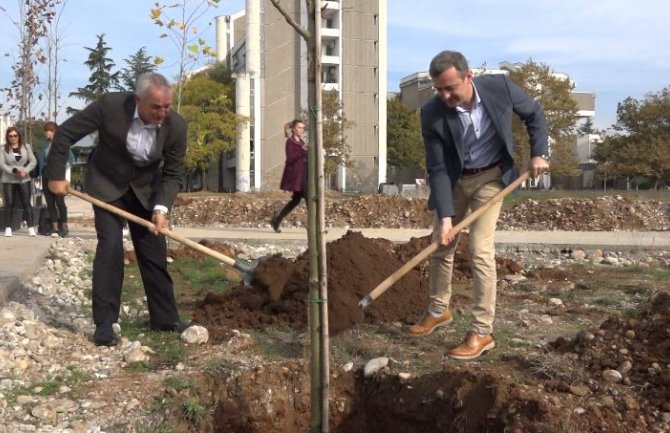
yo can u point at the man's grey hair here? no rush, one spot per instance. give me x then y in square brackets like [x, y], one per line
[448, 59]
[150, 80]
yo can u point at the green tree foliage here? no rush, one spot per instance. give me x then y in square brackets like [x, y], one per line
[136, 65]
[336, 150]
[102, 80]
[184, 33]
[641, 146]
[587, 127]
[404, 141]
[212, 121]
[555, 96]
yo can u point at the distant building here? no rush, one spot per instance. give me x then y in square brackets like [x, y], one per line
[5, 122]
[263, 50]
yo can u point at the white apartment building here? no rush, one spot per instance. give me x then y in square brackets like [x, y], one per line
[269, 60]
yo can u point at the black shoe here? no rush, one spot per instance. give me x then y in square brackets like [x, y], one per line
[104, 335]
[274, 222]
[170, 327]
[63, 230]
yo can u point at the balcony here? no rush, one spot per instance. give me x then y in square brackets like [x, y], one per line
[330, 60]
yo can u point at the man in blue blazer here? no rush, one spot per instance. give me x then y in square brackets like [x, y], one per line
[467, 132]
[137, 165]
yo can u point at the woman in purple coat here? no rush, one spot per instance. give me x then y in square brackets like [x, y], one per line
[294, 178]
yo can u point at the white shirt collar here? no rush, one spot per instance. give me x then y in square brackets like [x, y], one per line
[478, 101]
[136, 116]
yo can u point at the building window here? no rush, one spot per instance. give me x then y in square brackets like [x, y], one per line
[375, 17]
[374, 72]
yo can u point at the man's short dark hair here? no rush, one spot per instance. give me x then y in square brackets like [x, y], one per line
[448, 59]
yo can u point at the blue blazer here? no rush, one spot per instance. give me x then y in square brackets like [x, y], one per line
[443, 134]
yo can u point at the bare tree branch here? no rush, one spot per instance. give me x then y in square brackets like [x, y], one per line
[291, 21]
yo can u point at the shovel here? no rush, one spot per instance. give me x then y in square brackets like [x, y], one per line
[388, 282]
[247, 269]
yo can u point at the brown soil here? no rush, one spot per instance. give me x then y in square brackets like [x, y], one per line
[356, 265]
[549, 381]
[559, 390]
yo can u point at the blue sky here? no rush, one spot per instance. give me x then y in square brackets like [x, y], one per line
[615, 48]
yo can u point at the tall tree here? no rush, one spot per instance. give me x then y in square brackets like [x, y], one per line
[641, 146]
[318, 282]
[184, 33]
[136, 65]
[212, 122]
[54, 40]
[554, 93]
[102, 79]
[405, 144]
[32, 25]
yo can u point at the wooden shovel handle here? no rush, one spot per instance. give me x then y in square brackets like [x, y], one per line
[148, 224]
[394, 277]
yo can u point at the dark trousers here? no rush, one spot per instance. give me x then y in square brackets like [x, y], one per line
[55, 205]
[295, 201]
[151, 251]
[15, 193]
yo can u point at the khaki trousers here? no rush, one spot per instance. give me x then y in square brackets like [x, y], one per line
[470, 193]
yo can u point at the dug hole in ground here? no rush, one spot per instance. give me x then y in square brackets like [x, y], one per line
[552, 370]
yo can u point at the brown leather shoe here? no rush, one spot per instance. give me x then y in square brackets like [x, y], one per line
[472, 347]
[429, 323]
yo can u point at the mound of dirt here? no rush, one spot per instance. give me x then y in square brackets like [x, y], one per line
[369, 211]
[603, 214]
[356, 265]
[637, 348]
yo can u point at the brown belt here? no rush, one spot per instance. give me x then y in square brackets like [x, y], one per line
[471, 171]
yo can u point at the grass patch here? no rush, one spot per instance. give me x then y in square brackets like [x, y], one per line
[192, 411]
[72, 378]
[168, 347]
[205, 274]
[179, 383]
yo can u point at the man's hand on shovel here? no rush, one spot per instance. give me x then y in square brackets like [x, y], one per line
[59, 187]
[160, 221]
[446, 233]
[158, 225]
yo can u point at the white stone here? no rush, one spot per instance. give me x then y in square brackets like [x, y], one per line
[195, 335]
[374, 365]
[612, 376]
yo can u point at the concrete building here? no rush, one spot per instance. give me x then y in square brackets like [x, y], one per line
[5, 122]
[269, 60]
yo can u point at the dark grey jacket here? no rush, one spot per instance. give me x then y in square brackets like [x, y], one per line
[111, 171]
[443, 134]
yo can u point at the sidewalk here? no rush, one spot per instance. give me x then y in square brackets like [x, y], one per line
[20, 255]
